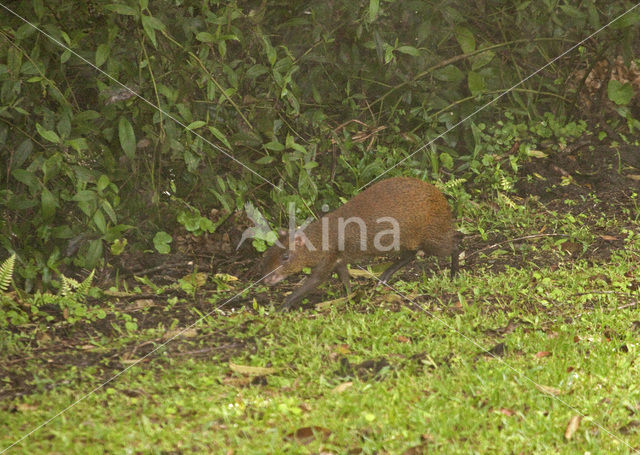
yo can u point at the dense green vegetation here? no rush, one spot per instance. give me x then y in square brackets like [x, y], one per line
[316, 99]
[134, 133]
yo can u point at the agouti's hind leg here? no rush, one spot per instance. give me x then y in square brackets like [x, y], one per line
[405, 258]
[343, 273]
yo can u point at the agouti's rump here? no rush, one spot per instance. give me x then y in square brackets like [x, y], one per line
[394, 217]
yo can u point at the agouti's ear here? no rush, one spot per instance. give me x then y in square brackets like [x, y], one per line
[298, 239]
[282, 232]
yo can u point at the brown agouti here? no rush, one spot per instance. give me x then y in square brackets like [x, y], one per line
[396, 216]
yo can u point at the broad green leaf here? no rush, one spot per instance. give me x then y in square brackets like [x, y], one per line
[109, 211]
[220, 136]
[94, 253]
[205, 37]
[195, 125]
[101, 223]
[255, 71]
[627, 20]
[122, 9]
[85, 196]
[449, 73]
[103, 182]
[102, 53]
[265, 160]
[409, 50]
[619, 93]
[161, 242]
[275, 146]
[149, 29]
[127, 137]
[476, 83]
[270, 51]
[465, 38]
[26, 177]
[446, 160]
[49, 135]
[482, 59]
[78, 144]
[374, 8]
[48, 204]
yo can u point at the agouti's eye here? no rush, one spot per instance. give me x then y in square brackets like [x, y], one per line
[285, 256]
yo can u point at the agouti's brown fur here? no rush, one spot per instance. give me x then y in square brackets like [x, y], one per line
[423, 223]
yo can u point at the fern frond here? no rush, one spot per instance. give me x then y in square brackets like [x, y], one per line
[454, 182]
[68, 286]
[6, 272]
[85, 286]
[507, 200]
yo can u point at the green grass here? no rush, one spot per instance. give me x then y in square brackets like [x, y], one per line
[366, 376]
[438, 390]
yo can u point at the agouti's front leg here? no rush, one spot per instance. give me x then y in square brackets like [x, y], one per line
[319, 274]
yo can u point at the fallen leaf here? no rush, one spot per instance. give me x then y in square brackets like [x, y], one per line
[306, 435]
[235, 381]
[537, 154]
[24, 407]
[139, 304]
[174, 333]
[572, 427]
[225, 277]
[634, 177]
[359, 273]
[507, 412]
[329, 303]
[549, 390]
[542, 354]
[196, 279]
[609, 238]
[403, 339]
[342, 387]
[250, 370]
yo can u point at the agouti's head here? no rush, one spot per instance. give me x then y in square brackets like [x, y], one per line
[285, 257]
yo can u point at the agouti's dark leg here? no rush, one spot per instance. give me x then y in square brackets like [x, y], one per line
[343, 273]
[454, 262]
[455, 253]
[405, 258]
[319, 275]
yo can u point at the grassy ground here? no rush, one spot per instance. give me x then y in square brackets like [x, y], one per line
[501, 365]
[533, 348]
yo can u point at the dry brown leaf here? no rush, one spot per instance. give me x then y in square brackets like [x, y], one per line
[342, 387]
[359, 273]
[139, 304]
[307, 435]
[549, 390]
[250, 370]
[236, 381]
[186, 333]
[537, 154]
[25, 407]
[329, 303]
[609, 238]
[572, 427]
[403, 339]
[507, 412]
[542, 354]
[196, 279]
